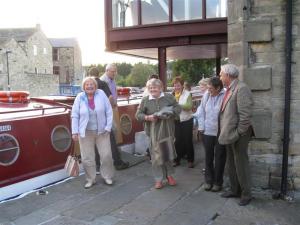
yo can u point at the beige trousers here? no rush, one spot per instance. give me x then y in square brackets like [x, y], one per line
[87, 148]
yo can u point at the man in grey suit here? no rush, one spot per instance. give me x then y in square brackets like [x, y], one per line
[235, 132]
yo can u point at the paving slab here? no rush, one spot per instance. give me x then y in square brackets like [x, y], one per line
[132, 200]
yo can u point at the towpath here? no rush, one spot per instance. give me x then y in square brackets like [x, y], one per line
[132, 200]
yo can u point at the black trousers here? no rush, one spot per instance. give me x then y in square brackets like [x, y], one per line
[114, 151]
[215, 159]
[184, 140]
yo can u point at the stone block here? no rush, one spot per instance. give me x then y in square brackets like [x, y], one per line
[141, 142]
[262, 124]
[258, 31]
[259, 78]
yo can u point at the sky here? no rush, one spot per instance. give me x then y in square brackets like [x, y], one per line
[82, 19]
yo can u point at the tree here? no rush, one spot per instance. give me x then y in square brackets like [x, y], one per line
[139, 74]
[124, 69]
[193, 70]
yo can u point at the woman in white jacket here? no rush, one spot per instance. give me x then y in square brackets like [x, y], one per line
[184, 126]
[207, 115]
[91, 125]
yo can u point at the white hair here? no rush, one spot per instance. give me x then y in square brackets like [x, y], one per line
[110, 66]
[87, 79]
[154, 82]
[231, 70]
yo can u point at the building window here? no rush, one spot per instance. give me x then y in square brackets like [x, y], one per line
[35, 50]
[56, 70]
[216, 8]
[45, 51]
[155, 11]
[9, 149]
[55, 54]
[187, 10]
[36, 70]
[61, 138]
[124, 13]
[1, 68]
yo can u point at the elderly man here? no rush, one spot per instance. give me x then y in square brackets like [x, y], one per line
[118, 162]
[235, 131]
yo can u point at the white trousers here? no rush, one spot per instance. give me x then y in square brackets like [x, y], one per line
[87, 148]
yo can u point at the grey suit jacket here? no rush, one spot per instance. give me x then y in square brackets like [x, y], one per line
[235, 115]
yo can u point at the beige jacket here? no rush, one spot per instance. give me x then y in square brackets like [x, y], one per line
[235, 115]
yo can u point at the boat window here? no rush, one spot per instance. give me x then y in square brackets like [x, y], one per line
[61, 138]
[9, 149]
[126, 124]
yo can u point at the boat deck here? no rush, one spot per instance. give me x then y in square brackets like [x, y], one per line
[133, 201]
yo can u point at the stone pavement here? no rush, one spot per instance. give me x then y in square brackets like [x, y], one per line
[132, 200]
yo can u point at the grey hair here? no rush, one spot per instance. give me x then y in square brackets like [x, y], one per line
[86, 79]
[109, 66]
[154, 82]
[231, 70]
[203, 81]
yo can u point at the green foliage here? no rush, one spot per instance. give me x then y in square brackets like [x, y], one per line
[193, 70]
[124, 69]
[139, 74]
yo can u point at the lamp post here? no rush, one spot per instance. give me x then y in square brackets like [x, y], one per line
[7, 66]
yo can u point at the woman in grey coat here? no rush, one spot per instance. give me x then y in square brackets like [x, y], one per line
[158, 111]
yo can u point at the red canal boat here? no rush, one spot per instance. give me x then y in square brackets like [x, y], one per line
[35, 140]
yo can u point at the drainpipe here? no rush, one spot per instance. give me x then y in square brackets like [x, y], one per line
[287, 100]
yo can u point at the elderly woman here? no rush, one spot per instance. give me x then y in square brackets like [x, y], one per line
[91, 124]
[207, 115]
[203, 85]
[184, 126]
[158, 111]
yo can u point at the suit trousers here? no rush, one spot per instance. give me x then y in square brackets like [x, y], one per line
[114, 150]
[215, 159]
[184, 140]
[238, 165]
[87, 147]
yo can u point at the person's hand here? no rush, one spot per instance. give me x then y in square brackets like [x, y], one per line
[199, 134]
[151, 118]
[106, 132]
[75, 137]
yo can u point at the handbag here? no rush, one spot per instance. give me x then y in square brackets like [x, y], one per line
[72, 164]
[165, 146]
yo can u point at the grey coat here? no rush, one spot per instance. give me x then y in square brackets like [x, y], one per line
[235, 115]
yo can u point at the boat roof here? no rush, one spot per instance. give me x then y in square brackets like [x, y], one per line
[34, 108]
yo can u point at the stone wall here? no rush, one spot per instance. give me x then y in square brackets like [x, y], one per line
[43, 60]
[256, 43]
[36, 84]
[69, 62]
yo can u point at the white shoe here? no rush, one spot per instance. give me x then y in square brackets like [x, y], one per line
[108, 181]
[97, 172]
[89, 185]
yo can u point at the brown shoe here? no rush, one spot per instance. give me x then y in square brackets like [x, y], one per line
[216, 188]
[245, 201]
[158, 185]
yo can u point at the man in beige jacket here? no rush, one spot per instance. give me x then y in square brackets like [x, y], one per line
[235, 131]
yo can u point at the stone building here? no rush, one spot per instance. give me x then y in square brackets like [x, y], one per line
[67, 60]
[257, 44]
[254, 35]
[26, 61]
